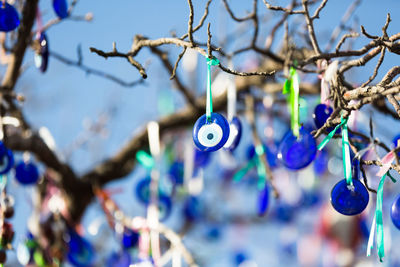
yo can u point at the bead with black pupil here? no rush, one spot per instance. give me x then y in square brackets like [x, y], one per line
[297, 152]
[42, 53]
[61, 8]
[349, 200]
[395, 212]
[210, 135]
[9, 19]
[235, 134]
[26, 173]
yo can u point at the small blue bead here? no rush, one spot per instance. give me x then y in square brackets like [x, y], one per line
[321, 113]
[121, 259]
[42, 58]
[263, 201]
[61, 8]
[395, 212]
[321, 162]
[142, 190]
[202, 121]
[176, 172]
[297, 153]
[349, 202]
[6, 159]
[236, 124]
[130, 238]
[80, 251]
[193, 209]
[26, 173]
[164, 206]
[9, 19]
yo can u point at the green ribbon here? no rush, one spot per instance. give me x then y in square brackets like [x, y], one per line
[209, 108]
[145, 159]
[346, 153]
[255, 161]
[291, 86]
[330, 135]
[243, 171]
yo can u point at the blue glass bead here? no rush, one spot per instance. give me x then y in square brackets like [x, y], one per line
[240, 257]
[321, 114]
[193, 208]
[235, 134]
[9, 19]
[164, 206]
[395, 141]
[121, 259]
[263, 201]
[176, 173]
[26, 173]
[297, 153]
[211, 136]
[61, 8]
[349, 201]
[42, 55]
[80, 251]
[395, 212]
[142, 190]
[321, 162]
[6, 159]
[201, 158]
[130, 238]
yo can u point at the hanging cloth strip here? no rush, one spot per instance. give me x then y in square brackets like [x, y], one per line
[291, 86]
[345, 149]
[209, 108]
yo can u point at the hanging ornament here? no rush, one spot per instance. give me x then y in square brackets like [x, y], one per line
[26, 173]
[42, 52]
[235, 126]
[297, 152]
[193, 208]
[201, 158]
[321, 162]
[175, 173]
[142, 190]
[9, 19]
[321, 113]
[6, 159]
[263, 201]
[61, 8]
[348, 196]
[80, 251]
[119, 259]
[395, 212]
[211, 131]
[130, 238]
[164, 206]
[271, 154]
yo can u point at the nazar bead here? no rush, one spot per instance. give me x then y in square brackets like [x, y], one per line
[349, 200]
[211, 135]
[61, 8]
[235, 134]
[9, 19]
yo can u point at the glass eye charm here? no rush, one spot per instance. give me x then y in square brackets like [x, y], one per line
[193, 208]
[349, 200]
[80, 251]
[211, 135]
[6, 159]
[297, 153]
[130, 238]
[164, 206]
[9, 19]
[263, 201]
[235, 133]
[26, 173]
[395, 212]
[42, 53]
[61, 8]
[142, 190]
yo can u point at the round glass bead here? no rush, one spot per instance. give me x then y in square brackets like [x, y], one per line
[349, 200]
[80, 251]
[263, 201]
[26, 173]
[297, 152]
[42, 54]
[61, 8]
[395, 212]
[235, 134]
[211, 135]
[6, 159]
[9, 19]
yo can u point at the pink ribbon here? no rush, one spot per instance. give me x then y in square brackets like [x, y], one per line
[386, 163]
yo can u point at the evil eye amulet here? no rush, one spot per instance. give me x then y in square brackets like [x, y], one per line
[164, 206]
[130, 238]
[321, 113]
[263, 201]
[26, 173]
[6, 159]
[9, 19]
[61, 8]
[42, 54]
[235, 133]
[297, 152]
[210, 135]
[395, 212]
[80, 251]
[142, 190]
[349, 200]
